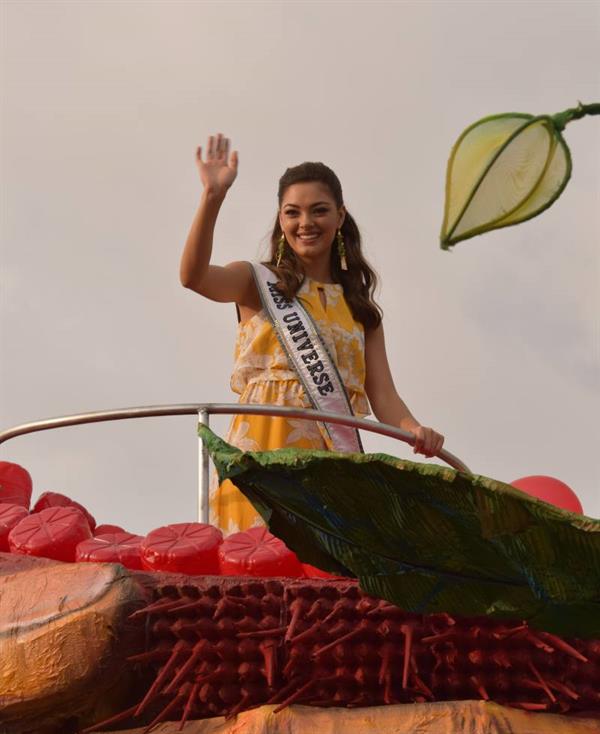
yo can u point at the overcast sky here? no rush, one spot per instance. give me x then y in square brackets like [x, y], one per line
[496, 344]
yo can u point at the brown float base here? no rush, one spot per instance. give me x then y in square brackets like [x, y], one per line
[445, 717]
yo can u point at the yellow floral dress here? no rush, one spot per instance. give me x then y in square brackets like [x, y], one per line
[262, 374]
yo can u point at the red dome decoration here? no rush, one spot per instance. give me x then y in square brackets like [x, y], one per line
[550, 490]
[106, 528]
[312, 572]
[51, 533]
[122, 547]
[10, 516]
[15, 484]
[56, 499]
[187, 547]
[256, 552]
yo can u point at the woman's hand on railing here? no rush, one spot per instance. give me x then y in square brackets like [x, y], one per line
[427, 441]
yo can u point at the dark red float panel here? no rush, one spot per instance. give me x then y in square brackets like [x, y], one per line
[219, 646]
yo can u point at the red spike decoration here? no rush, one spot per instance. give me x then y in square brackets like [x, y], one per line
[220, 645]
[189, 704]
[295, 696]
[177, 650]
[113, 720]
[296, 607]
[407, 629]
[268, 651]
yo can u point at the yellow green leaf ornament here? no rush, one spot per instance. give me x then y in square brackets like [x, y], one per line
[506, 169]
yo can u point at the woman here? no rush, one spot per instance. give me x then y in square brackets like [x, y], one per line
[316, 259]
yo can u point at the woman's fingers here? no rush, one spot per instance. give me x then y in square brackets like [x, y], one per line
[210, 148]
[439, 443]
[216, 171]
[418, 445]
[427, 443]
[220, 147]
[430, 442]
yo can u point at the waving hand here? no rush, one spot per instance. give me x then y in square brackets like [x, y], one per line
[219, 170]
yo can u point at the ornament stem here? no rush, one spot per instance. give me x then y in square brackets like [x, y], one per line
[562, 119]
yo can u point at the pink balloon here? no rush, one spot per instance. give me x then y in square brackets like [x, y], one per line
[550, 490]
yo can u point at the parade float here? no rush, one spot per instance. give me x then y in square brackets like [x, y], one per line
[382, 594]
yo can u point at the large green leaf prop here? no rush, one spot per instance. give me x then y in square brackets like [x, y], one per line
[426, 537]
[506, 169]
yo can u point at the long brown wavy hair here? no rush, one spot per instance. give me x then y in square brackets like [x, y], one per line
[359, 281]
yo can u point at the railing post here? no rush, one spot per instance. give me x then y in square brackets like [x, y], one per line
[203, 473]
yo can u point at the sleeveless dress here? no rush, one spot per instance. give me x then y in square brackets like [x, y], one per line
[262, 374]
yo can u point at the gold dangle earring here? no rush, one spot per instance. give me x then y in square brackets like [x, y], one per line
[341, 245]
[280, 248]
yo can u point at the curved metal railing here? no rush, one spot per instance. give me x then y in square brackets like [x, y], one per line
[204, 411]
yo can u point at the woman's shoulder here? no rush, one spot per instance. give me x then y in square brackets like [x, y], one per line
[247, 267]
[247, 298]
[241, 267]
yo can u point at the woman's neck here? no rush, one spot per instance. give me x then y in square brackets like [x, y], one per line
[318, 270]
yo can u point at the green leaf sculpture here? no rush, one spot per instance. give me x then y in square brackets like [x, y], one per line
[426, 537]
[506, 169]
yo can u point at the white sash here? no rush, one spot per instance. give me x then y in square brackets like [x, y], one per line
[306, 352]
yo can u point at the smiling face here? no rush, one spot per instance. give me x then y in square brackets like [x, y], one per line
[309, 219]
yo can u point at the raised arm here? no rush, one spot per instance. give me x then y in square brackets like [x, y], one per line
[388, 406]
[232, 283]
